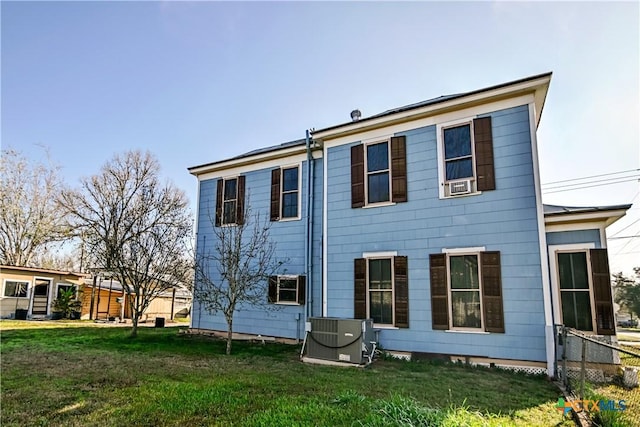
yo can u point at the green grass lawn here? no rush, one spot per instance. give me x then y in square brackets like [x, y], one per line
[76, 374]
[631, 416]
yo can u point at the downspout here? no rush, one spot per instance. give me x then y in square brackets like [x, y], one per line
[308, 256]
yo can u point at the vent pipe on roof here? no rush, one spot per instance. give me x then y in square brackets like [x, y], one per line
[355, 115]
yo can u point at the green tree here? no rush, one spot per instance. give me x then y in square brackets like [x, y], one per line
[628, 291]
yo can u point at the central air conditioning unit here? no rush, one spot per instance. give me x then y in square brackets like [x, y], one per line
[460, 187]
[340, 340]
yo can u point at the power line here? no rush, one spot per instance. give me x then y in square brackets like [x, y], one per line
[596, 181]
[623, 237]
[592, 176]
[620, 231]
[589, 186]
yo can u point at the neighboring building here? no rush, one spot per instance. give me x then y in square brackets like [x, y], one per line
[33, 289]
[427, 219]
[108, 300]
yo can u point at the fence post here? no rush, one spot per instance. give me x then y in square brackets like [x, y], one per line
[565, 374]
[583, 369]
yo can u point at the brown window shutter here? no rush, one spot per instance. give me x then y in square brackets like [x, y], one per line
[219, 186]
[482, 135]
[275, 194]
[357, 176]
[240, 205]
[601, 280]
[492, 291]
[302, 289]
[401, 285]
[439, 297]
[360, 288]
[398, 169]
[273, 289]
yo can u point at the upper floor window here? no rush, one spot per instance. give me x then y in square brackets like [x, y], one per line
[379, 172]
[458, 154]
[285, 193]
[230, 201]
[15, 288]
[466, 290]
[465, 150]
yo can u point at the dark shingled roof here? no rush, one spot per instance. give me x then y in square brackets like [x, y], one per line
[564, 210]
[420, 104]
[297, 142]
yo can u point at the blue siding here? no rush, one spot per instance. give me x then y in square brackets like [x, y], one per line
[503, 220]
[274, 320]
[575, 236]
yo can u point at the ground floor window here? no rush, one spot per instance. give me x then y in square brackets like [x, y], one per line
[15, 288]
[575, 292]
[466, 309]
[466, 290]
[287, 289]
[381, 289]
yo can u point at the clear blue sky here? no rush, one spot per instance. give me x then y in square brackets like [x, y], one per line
[201, 81]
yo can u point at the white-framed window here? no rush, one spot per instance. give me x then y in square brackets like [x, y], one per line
[377, 173]
[465, 157]
[458, 152]
[16, 288]
[230, 201]
[287, 289]
[290, 193]
[381, 288]
[465, 291]
[60, 287]
[380, 298]
[575, 288]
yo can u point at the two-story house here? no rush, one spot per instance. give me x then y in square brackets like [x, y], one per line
[429, 220]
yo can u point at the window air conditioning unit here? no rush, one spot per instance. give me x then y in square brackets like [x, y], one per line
[340, 340]
[460, 187]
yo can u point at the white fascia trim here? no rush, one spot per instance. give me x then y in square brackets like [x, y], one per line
[381, 254]
[550, 346]
[431, 120]
[558, 228]
[536, 89]
[235, 170]
[609, 217]
[324, 232]
[258, 158]
[473, 249]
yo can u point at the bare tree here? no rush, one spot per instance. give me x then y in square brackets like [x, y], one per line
[30, 217]
[244, 257]
[134, 227]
